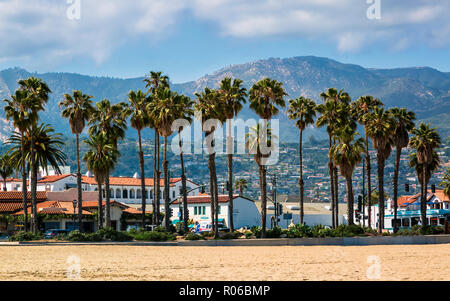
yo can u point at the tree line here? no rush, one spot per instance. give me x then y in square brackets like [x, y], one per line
[35, 144]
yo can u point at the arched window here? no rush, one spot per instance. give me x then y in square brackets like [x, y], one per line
[146, 194]
[118, 193]
[132, 196]
[151, 194]
[124, 194]
[138, 194]
[111, 193]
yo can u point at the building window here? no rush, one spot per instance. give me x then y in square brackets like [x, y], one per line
[173, 194]
[195, 210]
[151, 194]
[118, 193]
[146, 194]
[132, 196]
[111, 193]
[138, 194]
[405, 222]
[125, 194]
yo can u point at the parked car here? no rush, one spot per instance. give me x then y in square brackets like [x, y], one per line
[3, 236]
[132, 227]
[207, 227]
[52, 233]
[223, 228]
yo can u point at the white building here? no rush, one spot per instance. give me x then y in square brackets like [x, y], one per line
[245, 211]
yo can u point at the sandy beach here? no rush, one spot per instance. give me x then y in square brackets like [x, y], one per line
[398, 262]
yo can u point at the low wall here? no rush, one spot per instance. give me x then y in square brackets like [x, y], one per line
[328, 241]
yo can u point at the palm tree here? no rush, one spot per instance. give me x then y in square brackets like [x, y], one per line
[18, 110]
[380, 128]
[445, 184]
[38, 94]
[110, 120]
[233, 95]
[6, 168]
[139, 120]
[211, 107]
[303, 110]
[425, 141]
[360, 109]
[347, 154]
[153, 82]
[100, 159]
[241, 185]
[404, 123]
[163, 113]
[266, 96]
[77, 108]
[184, 112]
[341, 101]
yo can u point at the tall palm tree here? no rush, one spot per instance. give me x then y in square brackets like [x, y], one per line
[303, 110]
[163, 113]
[100, 159]
[233, 95]
[38, 93]
[6, 168]
[139, 120]
[211, 107]
[347, 154]
[184, 111]
[340, 101]
[445, 184]
[404, 123]
[241, 185]
[360, 109]
[18, 110]
[425, 141]
[153, 82]
[266, 97]
[380, 128]
[109, 119]
[77, 108]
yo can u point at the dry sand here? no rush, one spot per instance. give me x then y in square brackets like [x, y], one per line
[398, 262]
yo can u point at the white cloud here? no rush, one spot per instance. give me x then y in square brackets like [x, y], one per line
[40, 30]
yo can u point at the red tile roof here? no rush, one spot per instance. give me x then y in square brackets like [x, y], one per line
[127, 181]
[11, 207]
[17, 195]
[54, 178]
[94, 204]
[405, 200]
[56, 207]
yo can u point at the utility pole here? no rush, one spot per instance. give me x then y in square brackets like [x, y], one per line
[274, 197]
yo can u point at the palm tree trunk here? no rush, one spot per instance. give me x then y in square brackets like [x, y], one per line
[166, 187]
[350, 200]
[154, 194]
[107, 203]
[141, 163]
[100, 206]
[230, 145]
[300, 181]
[157, 193]
[336, 197]
[4, 184]
[396, 170]
[380, 162]
[330, 171]
[264, 199]
[216, 201]
[183, 188]
[33, 167]
[212, 188]
[423, 198]
[369, 185]
[80, 194]
[24, 184]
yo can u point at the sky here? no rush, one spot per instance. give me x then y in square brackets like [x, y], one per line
[187, 39]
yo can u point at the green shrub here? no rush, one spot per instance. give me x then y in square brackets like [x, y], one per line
[256, 231]
[348, 231]
[25, 236]
[154, 236]
[193, 236]
[248, 234]
[231, 235]
[208, 234]
[321, 231]
[274, 233]
[300, 230]
[114, 235]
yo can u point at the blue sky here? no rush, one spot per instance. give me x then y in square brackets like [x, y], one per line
[190, 38]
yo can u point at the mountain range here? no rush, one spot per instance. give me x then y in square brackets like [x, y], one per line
[421, 89]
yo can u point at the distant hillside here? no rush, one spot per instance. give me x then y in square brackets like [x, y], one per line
[422, 89]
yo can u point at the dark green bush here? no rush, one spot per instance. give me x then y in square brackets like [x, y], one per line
[274, 233]
[193, 236]
[25, 236]
[154, 236]
[348, 231]
[114, 235]
[321, 231]
[300, 230]
[231, 235]
[256, 231]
